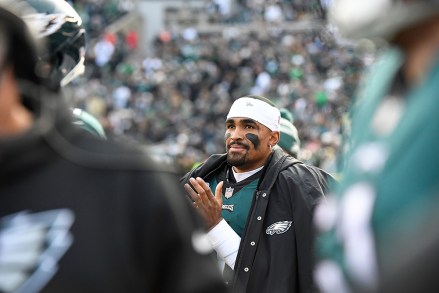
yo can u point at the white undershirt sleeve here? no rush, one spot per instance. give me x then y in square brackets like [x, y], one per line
[225, 241]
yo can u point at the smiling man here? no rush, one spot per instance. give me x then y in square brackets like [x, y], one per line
[258, 203]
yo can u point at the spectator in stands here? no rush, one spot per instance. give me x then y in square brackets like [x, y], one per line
[300, 69]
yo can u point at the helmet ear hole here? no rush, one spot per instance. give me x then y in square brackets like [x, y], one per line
[43, 69]
[58, 66]
[58, 59]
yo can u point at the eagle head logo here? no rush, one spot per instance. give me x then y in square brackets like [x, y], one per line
[278, 227]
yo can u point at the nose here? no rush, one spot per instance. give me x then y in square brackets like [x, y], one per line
[237, 133]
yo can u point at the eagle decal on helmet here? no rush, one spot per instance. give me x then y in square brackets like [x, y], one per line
[45, 24]
[279, 227]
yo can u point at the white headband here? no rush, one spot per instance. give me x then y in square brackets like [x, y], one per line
[257, 110]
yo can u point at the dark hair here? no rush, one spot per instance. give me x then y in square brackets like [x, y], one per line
[264, 99]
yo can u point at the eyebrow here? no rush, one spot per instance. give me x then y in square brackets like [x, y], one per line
[243, 121]
[248, 121]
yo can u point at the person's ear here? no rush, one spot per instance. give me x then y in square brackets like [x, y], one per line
[274, 138]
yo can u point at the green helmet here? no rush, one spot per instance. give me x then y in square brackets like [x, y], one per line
[289, 137]
[87, 122]
[60, 25]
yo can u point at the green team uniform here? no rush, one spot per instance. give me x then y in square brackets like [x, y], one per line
[237, 198]
[390, 186]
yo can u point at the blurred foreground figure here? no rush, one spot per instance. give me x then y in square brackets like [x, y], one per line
[378, 235]
[77, 213]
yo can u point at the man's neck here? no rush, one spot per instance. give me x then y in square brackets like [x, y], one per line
[249, 168]
[246, 170]
[244, 175]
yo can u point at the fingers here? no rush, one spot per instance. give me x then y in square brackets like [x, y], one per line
[203, 190]
[219, 192]
[191, 192]
[206, 203]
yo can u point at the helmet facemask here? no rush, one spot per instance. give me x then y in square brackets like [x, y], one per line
[58, 23]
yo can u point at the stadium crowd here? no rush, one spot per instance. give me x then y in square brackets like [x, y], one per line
[175, 98]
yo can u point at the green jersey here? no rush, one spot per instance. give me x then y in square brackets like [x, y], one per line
[237, 198]
[391, 182]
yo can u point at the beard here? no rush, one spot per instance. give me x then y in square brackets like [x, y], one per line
[236, 160]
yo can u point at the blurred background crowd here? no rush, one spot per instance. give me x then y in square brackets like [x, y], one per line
[171, 88]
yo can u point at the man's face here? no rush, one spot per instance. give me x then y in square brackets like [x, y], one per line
[247, 143]
[14, 117]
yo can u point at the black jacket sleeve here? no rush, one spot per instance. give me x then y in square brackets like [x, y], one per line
[306, 191]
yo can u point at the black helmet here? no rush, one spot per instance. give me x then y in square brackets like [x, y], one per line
[60, 24]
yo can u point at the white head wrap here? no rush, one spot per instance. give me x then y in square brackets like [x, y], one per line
[257, 110]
